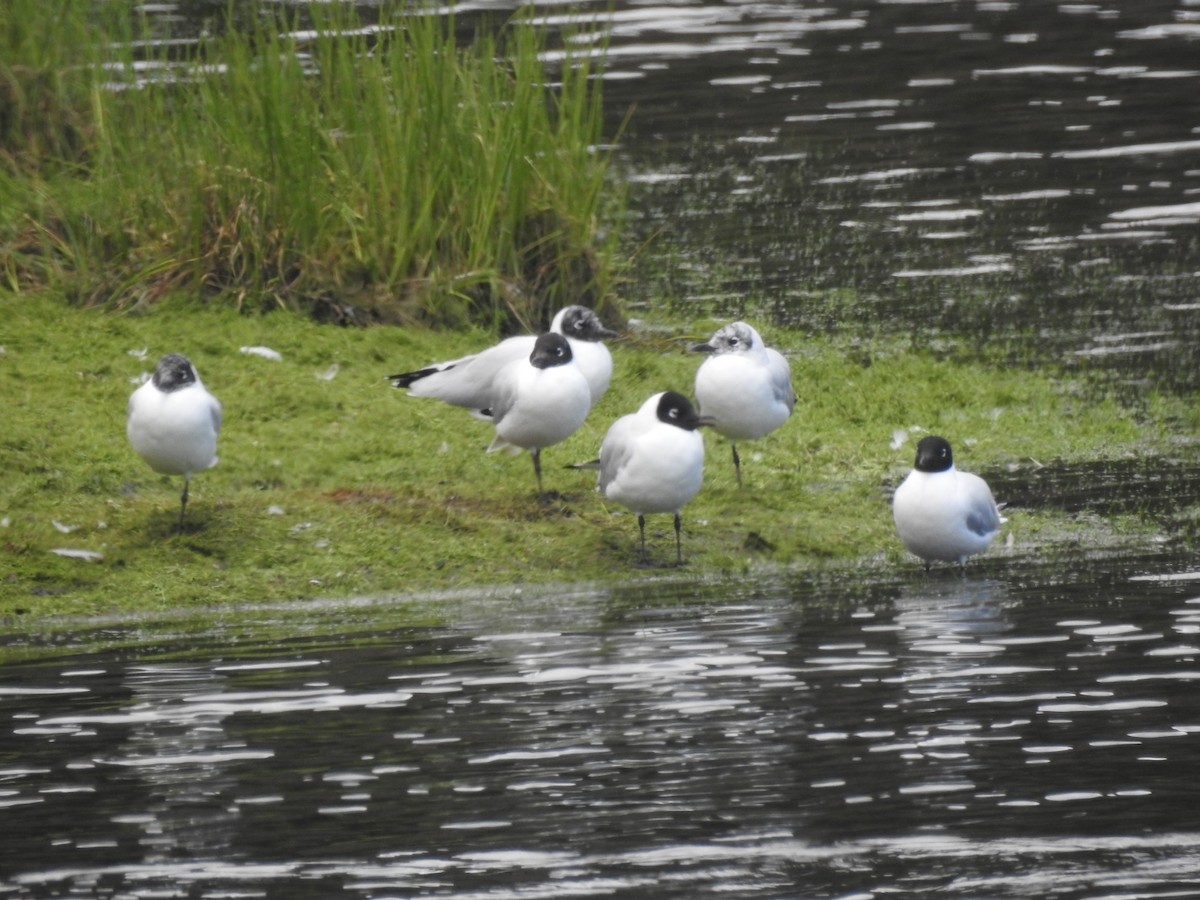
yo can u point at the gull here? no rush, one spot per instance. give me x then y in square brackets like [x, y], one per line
[539, 401]
[173, 422]
[652, 461]
[744, 387]
[942, 513]
[468, 382]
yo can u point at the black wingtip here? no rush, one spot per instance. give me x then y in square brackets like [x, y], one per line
[406, 379]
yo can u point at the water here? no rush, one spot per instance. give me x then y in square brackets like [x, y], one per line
[1025, 729]
[965, 172]
[1002, 171]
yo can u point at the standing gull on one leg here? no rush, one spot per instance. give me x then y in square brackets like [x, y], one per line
[469, 381]
[745, 387]
[652, 461]
[539, 401]
[173, 422]
[942, 513]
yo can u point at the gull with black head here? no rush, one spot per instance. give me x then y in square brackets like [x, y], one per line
[538, 402]
[943, 514]
[173, 422]
[652, 461]
[469, 382]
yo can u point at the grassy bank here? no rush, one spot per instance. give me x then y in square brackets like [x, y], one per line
[333, 484]
[302, 157]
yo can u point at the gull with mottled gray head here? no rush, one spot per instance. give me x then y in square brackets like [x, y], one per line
[744, 387]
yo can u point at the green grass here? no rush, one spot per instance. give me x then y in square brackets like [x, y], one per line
[347, 487]
[300, 160]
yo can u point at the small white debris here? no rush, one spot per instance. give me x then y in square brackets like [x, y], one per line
[264, 352]
[322, 544]
[300, 526]
[443, 448]
[138, 353]
[899, 437]
[329, 374]
[274, 510]
[63, 529]
[73, 553]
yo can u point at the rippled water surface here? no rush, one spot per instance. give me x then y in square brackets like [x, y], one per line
[1008, 170]
[1021, 731]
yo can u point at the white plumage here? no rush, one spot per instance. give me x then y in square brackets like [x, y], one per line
[173, 422]
[943, 514]
[539, 401]
[470, 381]
[744, 387]
[652, 461]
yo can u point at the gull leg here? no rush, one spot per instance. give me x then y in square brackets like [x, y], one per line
[536, 453]
[678, 540]
[737, 463]
[183, 502]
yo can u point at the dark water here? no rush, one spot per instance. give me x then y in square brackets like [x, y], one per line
[1017, 171]
[971, 172]
[1010, 733]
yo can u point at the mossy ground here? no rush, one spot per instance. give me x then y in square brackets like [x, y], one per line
[343, 486]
